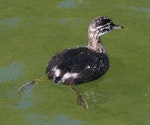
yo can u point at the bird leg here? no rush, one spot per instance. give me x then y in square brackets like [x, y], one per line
[80, 98]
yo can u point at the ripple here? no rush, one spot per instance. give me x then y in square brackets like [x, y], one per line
[95, 96]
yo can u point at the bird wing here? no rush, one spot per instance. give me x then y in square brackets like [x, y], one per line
[76, 60]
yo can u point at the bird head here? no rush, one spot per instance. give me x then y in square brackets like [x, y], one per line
[102, 25]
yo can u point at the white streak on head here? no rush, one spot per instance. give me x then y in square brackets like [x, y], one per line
[69, 75]
[57, 71]
[94, 29]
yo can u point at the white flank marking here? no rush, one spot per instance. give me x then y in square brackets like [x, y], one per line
[69, 75]
[87, 67]
[57, 71]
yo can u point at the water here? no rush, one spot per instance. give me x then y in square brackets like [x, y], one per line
[31, 32]
[13, 71]
[10, 22]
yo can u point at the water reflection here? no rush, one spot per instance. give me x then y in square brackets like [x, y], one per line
[72, 3]
[26, 101]
[142, 9]
[40, 119]
[65, 120]
[11, 22]
[67, 4]
[70, 22]
[11, 72]
[63, 21]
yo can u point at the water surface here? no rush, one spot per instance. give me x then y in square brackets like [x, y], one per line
[33, 31]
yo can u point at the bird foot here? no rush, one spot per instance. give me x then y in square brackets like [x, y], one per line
[80, 98]
[81, 101]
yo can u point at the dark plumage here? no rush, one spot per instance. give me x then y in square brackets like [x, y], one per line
[83, 64]
[89, 64]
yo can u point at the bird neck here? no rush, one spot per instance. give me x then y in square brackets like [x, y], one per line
[95, 44]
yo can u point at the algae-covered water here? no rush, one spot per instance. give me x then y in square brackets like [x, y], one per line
[32, 31]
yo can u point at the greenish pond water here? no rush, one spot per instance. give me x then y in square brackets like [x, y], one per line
[33, 31]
